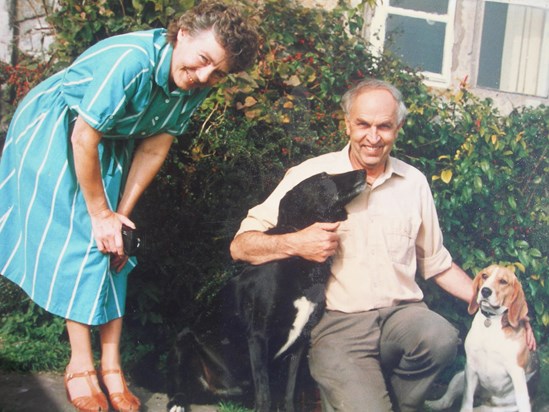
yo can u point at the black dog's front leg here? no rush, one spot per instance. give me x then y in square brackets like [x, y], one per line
[293, 367]
[178, 366]
[259, 362]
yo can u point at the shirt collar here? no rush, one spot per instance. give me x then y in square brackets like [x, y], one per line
[392, 168]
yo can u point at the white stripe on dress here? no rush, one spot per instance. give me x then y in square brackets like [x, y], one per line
[91, 121]
[96, 300]
[7, 179]
[63, 251]
[162, 58]
[38, 95]
[79, 276]
[168, 117]
[36, 180]
[46, 229]
[105, 49]
[115, 294]
[142, 114]
[39, 119]
[13, 252]
[78, 82]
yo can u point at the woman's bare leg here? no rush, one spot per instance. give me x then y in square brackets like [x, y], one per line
[110, 334]
[81, 358]
[122, 399]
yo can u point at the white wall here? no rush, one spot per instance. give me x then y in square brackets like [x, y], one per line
[6, 30]
[28, 30]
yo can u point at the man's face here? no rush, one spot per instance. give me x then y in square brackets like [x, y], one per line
[372, 129]
[198, 61]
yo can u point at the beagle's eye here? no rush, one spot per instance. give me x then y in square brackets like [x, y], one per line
[503, 282]
[484, 276]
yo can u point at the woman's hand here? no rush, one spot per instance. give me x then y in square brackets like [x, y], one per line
[118, 262]
[107, 230]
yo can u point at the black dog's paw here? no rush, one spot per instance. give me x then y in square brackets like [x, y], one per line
[178, 404]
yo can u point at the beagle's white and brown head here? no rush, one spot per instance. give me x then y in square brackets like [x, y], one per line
[497, 291]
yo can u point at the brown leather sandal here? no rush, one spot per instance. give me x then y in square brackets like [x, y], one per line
[96, 402]
[121, 401]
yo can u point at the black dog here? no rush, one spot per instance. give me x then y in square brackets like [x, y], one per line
[253, 334]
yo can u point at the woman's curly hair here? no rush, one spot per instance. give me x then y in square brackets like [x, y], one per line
[237, 35]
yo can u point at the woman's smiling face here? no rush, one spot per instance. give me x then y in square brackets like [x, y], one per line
[197, 61]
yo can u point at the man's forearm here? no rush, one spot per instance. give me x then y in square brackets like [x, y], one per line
[456, 282]
[315, 243]
[257, 247]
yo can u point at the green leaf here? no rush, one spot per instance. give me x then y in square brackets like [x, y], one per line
[477, 181]
[535, 253]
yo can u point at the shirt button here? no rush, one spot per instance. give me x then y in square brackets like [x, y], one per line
[167, 101]
[143, 133]
[156, 118]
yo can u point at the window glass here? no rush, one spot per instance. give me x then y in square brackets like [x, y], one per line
[429, 6]
[514, 50]
[419, 42]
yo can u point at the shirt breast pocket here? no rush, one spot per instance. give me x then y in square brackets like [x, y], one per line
[400, 239]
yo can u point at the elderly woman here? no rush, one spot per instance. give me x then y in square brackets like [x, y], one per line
[81, 149]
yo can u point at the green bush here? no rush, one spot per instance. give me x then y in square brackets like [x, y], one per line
[488, 171]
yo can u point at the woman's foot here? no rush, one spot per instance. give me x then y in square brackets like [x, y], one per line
[84, 393]
[119, 395]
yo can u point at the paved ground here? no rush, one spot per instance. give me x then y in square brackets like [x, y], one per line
[45, 392]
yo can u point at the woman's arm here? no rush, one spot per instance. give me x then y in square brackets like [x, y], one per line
[106, 224]
[148, 158]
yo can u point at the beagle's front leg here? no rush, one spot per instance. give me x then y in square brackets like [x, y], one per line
[471, 382]
[521, 388]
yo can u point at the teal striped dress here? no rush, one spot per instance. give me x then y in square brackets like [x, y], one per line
[120, 87]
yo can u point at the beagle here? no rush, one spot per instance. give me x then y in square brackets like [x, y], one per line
[499, 364]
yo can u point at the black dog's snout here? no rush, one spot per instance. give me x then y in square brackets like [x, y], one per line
[486, 292]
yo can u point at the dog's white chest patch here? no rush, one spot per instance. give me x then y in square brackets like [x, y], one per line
[304, 310]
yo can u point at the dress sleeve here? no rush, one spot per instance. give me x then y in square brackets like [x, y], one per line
[100, 84]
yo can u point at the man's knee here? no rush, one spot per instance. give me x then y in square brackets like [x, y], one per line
[442, 344]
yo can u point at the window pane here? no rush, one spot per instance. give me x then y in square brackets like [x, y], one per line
[419, 42]
[514, 52]
[429, 6]
[491, 48]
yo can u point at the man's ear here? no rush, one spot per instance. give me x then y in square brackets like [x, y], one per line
[347, 126]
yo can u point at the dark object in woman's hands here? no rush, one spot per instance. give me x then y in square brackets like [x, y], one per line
[134, 241]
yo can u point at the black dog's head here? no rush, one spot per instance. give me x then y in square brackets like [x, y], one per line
[320, 198]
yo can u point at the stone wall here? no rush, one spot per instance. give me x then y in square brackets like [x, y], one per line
[23, 27]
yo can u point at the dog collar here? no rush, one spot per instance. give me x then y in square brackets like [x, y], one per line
[488, 316]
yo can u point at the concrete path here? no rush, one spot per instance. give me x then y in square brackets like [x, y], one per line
[45, 392]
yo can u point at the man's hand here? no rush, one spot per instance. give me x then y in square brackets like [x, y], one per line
[530, 338]
[317, 242]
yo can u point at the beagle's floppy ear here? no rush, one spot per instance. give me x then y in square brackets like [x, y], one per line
[516, 304]
[473, 304]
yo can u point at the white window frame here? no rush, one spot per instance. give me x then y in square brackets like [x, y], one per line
[377, 36]
[540, 4]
